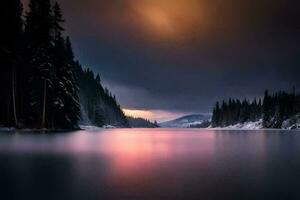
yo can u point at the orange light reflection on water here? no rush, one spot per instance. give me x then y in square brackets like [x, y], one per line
[137, 152]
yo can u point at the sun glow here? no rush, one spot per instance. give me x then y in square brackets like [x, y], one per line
[153, 115]
[167, 17]
[139, 113]
[159, 19]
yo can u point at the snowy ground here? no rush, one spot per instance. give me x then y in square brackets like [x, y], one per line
[292, 123]
[186, 121]
[5, 129]
[245, 126]
[94, 128]
[89, 127]
[289, 124]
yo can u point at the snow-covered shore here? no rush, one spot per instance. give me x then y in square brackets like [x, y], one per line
[12, 129]
[245, 126]
[290, 124]
[95, 128]
[6, 129]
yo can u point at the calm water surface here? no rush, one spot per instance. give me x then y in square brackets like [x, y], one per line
[150, 164]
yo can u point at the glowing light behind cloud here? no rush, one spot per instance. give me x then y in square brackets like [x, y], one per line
[168, 18]
[207, 50]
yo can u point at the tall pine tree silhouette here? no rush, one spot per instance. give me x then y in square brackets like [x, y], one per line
[67, 105]
[40, 79]
[10, 38]
[42, 75]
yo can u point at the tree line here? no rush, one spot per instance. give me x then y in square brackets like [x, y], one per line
[40, 79]
[138, 122]
[272, 109]
[98, 105]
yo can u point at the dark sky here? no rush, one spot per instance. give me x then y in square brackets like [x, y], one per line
[183, 55]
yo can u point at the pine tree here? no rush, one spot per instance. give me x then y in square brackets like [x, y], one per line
[216, 116]
[40, 66]
[57, 21]
[274, 110]
[99, 118]
[267, 110]
[39, 77]
[67, 105]
[10, 60]
[73, 107]
[42, 88]
[98, 101]
[39, 24]
[234, 111]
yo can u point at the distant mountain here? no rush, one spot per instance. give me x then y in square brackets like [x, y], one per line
[141, 123]
[187, 121]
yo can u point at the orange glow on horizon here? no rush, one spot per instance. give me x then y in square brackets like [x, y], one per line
[138, 113]
[152, 115]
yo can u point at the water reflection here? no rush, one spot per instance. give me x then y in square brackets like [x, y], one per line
[150, 164]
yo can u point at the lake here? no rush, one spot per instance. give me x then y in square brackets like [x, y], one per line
[154, 164]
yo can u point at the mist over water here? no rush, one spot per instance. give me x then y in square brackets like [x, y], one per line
[150, 164]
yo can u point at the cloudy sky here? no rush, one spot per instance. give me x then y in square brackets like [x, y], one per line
[181, 56]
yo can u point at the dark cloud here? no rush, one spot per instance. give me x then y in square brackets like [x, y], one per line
[236, 48]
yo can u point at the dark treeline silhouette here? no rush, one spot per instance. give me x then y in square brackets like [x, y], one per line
[279, 107]
[273, 110]
[98, 105]
[141, 123]
[40, 79]
[11, 35]
[236, 111]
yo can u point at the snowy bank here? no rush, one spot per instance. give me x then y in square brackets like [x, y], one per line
[246, 126]
[6, 129]
[292, 123]
[289, 124]
[95, 128]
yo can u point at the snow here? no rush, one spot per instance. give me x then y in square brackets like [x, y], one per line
[90, 128]
[249, 125]
[289, 124]
[95, 128]
[109, 126]
[6, 129]
[182, 124]
[292, 124]
[189, 124]
[186, 121]
[245, 126]
[293, 127]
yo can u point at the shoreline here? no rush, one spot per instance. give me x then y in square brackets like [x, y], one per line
[94, 128]
[12, 129]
